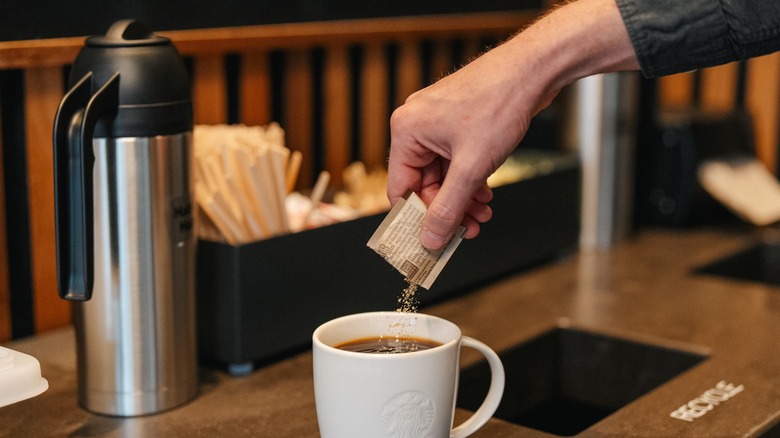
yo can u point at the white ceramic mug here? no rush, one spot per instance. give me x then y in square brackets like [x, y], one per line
[406, 395]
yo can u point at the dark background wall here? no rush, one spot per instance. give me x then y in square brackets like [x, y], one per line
[38, 19]
[34, 19]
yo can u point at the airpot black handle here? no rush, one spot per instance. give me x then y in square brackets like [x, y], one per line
[74, 126]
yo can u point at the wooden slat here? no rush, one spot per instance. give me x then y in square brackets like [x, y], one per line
[43, 91]
[472, 48]
[337, 111]
[719, 87]
[409, 71]
[209, 90]
[763, 99]
[298, 111]
[255, 91]
[374, 107]
[676, 91]
[5, 296]
[441, 60]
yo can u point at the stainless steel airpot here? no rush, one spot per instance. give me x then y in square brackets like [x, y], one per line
[122, 147]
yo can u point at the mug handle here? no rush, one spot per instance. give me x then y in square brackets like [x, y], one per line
[493, 397]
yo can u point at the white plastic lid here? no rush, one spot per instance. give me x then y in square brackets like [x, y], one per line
[20, 377]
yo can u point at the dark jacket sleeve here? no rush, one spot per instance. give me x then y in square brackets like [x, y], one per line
[672, 36]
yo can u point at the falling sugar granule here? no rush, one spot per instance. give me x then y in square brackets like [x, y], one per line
[408, 301]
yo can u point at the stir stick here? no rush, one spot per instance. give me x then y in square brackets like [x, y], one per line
[316, 194]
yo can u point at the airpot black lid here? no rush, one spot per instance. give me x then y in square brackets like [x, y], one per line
[127, 33]
[154, 88]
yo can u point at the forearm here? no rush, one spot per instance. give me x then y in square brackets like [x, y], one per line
[579, 39]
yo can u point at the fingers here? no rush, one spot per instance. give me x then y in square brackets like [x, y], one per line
[484, 194]
[480, 212]
[472, 227]
[421, 154]
[434, 241]
[453, 205]
[411, 166]
[400, 180]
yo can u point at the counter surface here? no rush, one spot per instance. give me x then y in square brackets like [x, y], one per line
[642, 288]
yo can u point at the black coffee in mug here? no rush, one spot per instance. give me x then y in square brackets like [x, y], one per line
[389, 345]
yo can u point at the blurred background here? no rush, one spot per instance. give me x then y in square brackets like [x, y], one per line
[331, 73]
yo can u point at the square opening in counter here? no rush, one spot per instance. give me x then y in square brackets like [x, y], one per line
[566, 380]
[759, 262]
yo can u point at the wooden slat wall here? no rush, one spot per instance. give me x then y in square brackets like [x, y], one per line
[331, 85]
[717, 94]
[259, 92]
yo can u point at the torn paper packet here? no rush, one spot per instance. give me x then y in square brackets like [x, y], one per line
[397, 240]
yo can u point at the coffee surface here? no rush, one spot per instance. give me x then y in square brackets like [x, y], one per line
[389, 345]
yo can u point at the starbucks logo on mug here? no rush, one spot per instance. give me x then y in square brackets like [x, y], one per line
[407, 415]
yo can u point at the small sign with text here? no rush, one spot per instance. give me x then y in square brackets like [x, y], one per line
[706, 402]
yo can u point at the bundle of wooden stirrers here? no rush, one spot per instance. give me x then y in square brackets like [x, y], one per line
[242, 177]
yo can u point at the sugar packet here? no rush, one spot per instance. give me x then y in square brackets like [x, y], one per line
[397, 240]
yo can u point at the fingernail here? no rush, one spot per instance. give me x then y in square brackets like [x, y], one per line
[432, 240]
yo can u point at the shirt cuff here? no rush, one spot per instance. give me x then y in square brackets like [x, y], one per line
[673, 36]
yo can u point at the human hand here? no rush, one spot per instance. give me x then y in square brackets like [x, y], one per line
[449, 137]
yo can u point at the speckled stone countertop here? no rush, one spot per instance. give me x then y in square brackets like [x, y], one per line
[643, 287]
